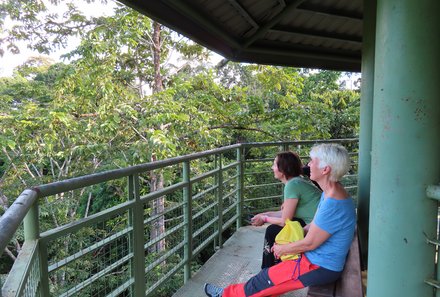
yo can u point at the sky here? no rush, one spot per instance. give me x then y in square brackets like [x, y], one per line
[9, 61]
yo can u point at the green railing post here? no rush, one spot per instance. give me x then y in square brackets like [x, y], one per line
[240, 179]
[366, 124]
[219, 193]
[136, 220]
[187, 214]
[31, 224]
[44, 269]
[32, 232]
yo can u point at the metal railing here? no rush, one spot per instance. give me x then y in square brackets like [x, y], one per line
[140, 234]
[433, 192]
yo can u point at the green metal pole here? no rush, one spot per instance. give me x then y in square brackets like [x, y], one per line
[405, 148]
[187, 214]
[32, 232]
[136, 218]
[44, 269]
[240, 179]
[366, 123]
[31, 223]
[220, 200]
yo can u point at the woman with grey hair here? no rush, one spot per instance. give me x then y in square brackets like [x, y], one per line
[327, 238]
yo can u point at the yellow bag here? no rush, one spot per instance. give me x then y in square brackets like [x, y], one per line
[292, 231]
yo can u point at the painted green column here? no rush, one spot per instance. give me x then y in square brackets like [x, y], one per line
[366, 123]
[405, 147]
[187, 216]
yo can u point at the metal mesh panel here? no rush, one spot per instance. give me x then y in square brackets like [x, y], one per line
[230, 194]
[262, 190]
[32, 284]
[164, 228]
[68, 207]
[205, 210]
[93, 261]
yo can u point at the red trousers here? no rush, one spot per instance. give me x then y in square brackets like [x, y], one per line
[274, 281]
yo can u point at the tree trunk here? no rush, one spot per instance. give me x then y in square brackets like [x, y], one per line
[157, 182]
[158, 84]
[158, 207]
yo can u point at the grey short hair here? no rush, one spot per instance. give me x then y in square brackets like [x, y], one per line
[333, 155]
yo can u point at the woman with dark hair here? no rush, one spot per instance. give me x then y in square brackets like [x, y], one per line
[301, 198]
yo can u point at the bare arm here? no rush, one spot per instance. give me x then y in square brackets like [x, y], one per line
[306, 228]
[314, 238]
[277, 217]
[261, 218]
[287, 212]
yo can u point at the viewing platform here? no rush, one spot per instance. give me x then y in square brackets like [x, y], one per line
[131, 247]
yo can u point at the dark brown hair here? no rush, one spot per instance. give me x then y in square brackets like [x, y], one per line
[289, 164]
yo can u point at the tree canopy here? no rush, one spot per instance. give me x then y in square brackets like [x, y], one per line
[55, 114]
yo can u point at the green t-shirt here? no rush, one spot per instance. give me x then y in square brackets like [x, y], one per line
[308, 196]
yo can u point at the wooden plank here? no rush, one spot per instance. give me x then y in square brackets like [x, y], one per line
[322, 291]
[350, 283]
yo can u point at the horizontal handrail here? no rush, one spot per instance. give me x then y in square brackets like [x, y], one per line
[89, 180]
[14, 215]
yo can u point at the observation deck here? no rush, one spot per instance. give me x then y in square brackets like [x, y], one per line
[145, 242]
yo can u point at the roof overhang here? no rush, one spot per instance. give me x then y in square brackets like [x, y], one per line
[325, 34]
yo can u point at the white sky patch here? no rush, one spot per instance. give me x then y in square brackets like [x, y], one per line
[10, 61]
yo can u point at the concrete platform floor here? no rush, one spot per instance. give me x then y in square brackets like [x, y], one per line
[236, 262]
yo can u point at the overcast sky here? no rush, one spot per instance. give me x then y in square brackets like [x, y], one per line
[9, 61]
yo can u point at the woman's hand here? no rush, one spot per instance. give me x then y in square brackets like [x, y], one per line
[258, 220]
[278, 250]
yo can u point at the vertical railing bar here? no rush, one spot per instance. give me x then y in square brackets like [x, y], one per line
[433, 192]
[216, 183]
[31, 223]
[437, 291]
[130, 196]
[240, 196]
[32, 231]
[137, 221]
[220, 199]
[44, 272]
[187, 213]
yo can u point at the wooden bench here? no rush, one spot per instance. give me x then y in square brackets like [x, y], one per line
[350, 283]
